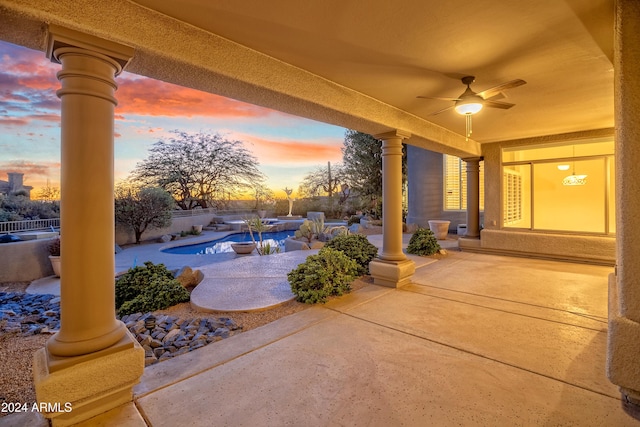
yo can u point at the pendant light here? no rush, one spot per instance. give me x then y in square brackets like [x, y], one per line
[574, 179]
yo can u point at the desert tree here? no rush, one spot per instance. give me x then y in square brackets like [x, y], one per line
[362, 166]
[263, 196]
[199, 169]
[140, 208]
[326, 181]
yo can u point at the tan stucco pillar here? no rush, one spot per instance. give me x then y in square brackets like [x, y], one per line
[92, 363]
[392, 268]
[473, 197]
[623, 351]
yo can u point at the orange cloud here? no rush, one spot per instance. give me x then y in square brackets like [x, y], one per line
[148, 97]
[293, 151]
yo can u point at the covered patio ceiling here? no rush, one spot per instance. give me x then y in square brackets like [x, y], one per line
[361, 64]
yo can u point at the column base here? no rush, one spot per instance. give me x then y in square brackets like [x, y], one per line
[623, 348]
[392, 274]
[94, 384]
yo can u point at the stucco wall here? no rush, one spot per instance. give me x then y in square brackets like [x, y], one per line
[124, 236]
[25, 261]
[594, 249]
[425, 187]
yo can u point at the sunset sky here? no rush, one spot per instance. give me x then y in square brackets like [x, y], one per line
[287, 146]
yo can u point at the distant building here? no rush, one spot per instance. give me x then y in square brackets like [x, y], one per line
[15, 184]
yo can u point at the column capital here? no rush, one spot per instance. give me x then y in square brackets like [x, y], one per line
[393, 135]
[60, 37]
[473, 159]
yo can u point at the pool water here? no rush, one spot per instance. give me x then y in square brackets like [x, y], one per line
[224, 245]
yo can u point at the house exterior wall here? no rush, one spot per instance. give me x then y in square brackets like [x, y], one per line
[425, 188]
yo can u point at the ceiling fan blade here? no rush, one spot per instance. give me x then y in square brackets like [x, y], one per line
[498, 104]
[491, 92]
[441, 111]
[436, 97]
[495, 97]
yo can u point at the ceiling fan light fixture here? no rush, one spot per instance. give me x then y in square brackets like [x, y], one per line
[470, 106]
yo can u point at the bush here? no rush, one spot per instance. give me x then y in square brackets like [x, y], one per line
[357, 247]
[423, 242]
[330, 272]
[148, 288]
[353, 219]
[54, 247]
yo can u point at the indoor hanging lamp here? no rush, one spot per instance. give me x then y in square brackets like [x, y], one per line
[574, 179]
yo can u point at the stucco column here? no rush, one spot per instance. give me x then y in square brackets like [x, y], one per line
[92, 362]
[392, 268]
[87, 220]
[623, 351]
[473, 197]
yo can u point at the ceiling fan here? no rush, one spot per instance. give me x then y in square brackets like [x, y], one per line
[470, 102]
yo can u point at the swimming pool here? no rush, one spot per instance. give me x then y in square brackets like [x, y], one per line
[224, 244]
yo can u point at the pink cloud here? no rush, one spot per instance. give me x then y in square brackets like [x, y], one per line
[30, 169]
[13, 121]
[144, 96]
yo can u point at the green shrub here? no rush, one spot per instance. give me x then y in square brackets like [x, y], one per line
[423, 242]
[353, 219]
[330, 272]
[148, 288]
[357, 247]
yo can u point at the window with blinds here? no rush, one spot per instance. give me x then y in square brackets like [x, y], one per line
[512, 184]
[455, 184]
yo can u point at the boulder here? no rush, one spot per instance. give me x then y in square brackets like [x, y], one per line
[295, 245]
[185, 277]
[165, 238]
[198, 276]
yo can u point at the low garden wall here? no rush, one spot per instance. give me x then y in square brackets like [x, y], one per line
[179, 224]
[25, 261]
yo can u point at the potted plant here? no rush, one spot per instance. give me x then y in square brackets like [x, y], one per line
[54, 255]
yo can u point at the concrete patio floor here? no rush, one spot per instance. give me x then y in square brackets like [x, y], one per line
[474, 340]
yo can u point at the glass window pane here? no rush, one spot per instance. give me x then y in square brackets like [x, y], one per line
[569, 207]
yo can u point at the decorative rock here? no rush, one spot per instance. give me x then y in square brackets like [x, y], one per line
[27, 314]
[198, 276]
[171, 335]
[185, 277]
[165, 238]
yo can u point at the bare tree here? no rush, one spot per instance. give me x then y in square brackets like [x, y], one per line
[199, 169]
[49, 193]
